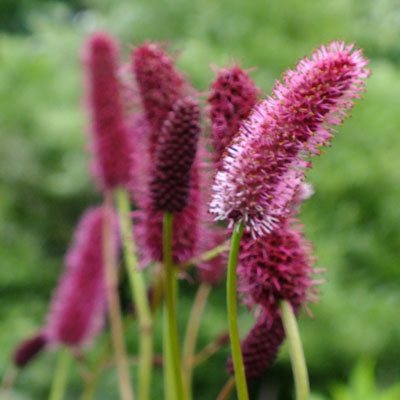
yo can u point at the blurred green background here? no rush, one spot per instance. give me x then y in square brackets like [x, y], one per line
[353, 219]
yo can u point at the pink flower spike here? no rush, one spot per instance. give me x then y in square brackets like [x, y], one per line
[110, 141]
[265, 163]
[233, 96]
[160, 85]
[28, 349]
[78, 305]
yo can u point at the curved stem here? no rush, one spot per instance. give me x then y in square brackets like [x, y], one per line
[299, 366]
[189, 346]
[59, 384]
[114, 308]
[170, 303]
[139, 295]
[227, 389]
[240, 377]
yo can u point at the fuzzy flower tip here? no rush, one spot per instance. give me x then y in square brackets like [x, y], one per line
[111, 144]
[233, 96]
[176, 151]
[260, 347]
[160, 85]
[77, 309]
[265, 162]
[276, 267]
[29, 349]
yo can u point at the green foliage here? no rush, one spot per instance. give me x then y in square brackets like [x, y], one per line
[352, 218]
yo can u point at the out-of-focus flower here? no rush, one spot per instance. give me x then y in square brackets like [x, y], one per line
[265, 163]
[233, 96]
[78, 305]
[160, 86]
[174, 156]
[28, 349]
[111, 144]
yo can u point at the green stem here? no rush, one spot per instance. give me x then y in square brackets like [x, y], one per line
[169, 383]
[59, 384]
[299, 366]
[114, 308]
[170, 303]
[139, 295]
[189, 346]
[240, 377]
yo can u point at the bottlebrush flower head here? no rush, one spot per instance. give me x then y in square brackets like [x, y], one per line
[233, 96]
[28, 349]
[175, 153]
[77, 309]
[265, 162]
[260, 347]
[111, 144]
[160, 85]
[276, 267]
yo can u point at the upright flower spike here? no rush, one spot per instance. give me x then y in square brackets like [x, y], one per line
[28, 349]
[233, 96]
[110, 143]
[175, 153]
[276, 267]
[78, 305]
[160, 85]
[265, 162]
[260, 347]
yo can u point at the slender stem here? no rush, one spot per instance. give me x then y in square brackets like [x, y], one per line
[240, 377]
[114, 308]
[139, 295]
[227, 389]
[169, 383]
[208, 255]
[170, 303]
[299, 366]
[189, 346]
[7, 383]
[59, 384]
[212, 348]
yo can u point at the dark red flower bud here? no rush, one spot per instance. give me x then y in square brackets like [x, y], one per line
[29, 349]
[260, 347]
[175, 153]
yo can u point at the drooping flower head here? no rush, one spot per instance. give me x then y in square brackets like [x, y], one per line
[174, 156]
[260, 347]
[265, 162]
[276, 267]
[160, 85]
[77, 309]
[110, 143]
[233, 96]
[28, 349]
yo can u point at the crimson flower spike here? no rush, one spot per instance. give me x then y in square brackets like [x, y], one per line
[264, 164]
[110, 140]
[28, 349]
[78, 306]
[233, 96]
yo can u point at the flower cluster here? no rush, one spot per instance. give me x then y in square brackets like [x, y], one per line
[28, 349]
[265, 162]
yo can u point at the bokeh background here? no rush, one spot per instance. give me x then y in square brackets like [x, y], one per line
[353, 342]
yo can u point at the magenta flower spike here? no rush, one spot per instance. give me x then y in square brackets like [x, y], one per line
[174, 157]
[28, 349]
[78, 305]
[110, 140]
[276, 267]
[265, 163]
[233, 96]
[160, 86]
[260, 347]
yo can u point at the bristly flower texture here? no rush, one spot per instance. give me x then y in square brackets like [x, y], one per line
[265, 162]
[276, 267]
[160, 86]
[260, 347]
[28, 349]
[233, 96]
[174, 157]
[77, 309]
[111, 144]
